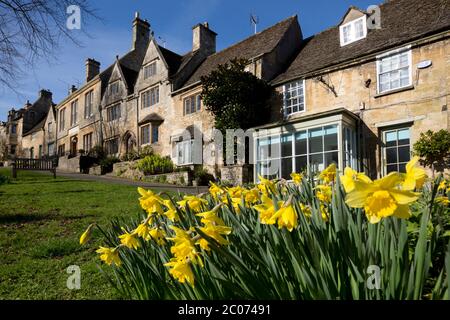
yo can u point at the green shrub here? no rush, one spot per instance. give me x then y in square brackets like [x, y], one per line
[4, 179]
[107, 164]
[131, 156]
[202, 176]
[155, 164]
[145, 152]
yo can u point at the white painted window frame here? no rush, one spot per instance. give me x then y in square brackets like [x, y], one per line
[390, 54]
[303, 81]
[353, 37]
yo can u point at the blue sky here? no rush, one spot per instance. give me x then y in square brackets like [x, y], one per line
[172, 21]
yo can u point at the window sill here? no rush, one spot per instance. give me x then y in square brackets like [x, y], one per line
[386, 93]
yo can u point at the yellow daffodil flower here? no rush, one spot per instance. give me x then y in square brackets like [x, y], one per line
[110, 256]
[215, 190]
[158, 235]
[150, 202]
[442, 200]
[349, 178]
[324, 193]
[251, 196]
[194, 203]
[414, 177]
[382, 198]
[266, 209]
[285, 216]
[211, 216]
[444, 186]
[215, 232]
[297, 178]
[306, 210]
[329, 174]
[86, 235]
[183, 247]
[129, 240]
[181, 270]
[171, 212]
[265, 185]
[236, 192]
[143, 231]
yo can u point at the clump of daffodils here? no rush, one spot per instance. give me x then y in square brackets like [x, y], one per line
[275, 203]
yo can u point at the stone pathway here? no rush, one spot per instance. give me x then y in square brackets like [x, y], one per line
[117, 180]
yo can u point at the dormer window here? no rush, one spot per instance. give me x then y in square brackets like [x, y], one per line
[150, 70]
[114, 88]
[353, 31]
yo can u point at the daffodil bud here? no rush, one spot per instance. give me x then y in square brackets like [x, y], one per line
[86, 235]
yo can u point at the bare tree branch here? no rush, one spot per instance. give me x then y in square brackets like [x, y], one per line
[34, 29]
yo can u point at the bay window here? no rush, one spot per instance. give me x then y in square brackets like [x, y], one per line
[305, 149]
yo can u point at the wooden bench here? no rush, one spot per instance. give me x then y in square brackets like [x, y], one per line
[34, 165]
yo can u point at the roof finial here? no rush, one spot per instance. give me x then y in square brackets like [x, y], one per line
[136, 15]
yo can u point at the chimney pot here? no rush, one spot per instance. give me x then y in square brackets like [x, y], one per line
[92, 69]
[203, 38]
[141, 32]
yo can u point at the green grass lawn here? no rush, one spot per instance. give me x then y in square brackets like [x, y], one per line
[41, 219]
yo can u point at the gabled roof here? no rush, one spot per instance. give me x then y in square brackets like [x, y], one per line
[41, 123]
[252, 47]
[402, 21]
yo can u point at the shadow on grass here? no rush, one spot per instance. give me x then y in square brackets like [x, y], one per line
[14, 218]
[10, 218]
[55, 248]
[34, 181]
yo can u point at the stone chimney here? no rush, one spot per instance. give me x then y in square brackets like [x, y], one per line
[45, 94]
[92, 69]
[203, 38]
[73, 89]
[141, 32]
[28, 104]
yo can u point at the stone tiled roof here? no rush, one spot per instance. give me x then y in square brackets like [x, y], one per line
[173, 60]
[36, 128]
[402, 21]
[254, 46]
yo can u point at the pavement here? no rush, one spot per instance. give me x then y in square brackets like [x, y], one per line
[127, 182]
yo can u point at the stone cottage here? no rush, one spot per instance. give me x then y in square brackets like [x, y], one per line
[360, 96]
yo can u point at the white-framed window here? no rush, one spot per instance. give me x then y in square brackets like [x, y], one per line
[183, 151]
[88, 104]
[62, 119]
[294, 97]
[310, 149]
[150, 97]
[192, 104]
[150, 70]
[396, 149]
[114, 88]
[394, 70]
[353, 31]
[73, 112]
[113, 113]
[87, 142]
[49, 127]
